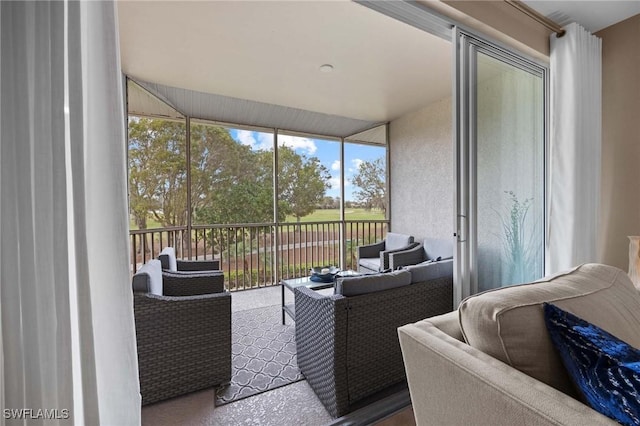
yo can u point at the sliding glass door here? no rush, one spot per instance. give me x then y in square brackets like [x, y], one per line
[500, 167]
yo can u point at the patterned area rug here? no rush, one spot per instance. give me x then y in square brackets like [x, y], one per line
[263, 354]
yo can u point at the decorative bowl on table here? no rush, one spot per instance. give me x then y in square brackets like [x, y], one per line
[323, 274]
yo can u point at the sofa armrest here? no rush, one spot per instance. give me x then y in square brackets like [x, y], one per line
[384, 255]
[448, 323]
[452, 383]
[181, 284]
[321, 345]
[198, 265]
[370, 250]
[407, 257]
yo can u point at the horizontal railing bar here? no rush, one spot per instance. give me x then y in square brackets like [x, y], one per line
[149, 230]
[234, 225]
[258, 225]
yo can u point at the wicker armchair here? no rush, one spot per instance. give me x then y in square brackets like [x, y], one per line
[374, 258]
[431, 250]
[169, 262]
[347, 346]
[183, 332]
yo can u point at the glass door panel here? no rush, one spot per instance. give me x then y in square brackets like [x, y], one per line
[500, 167]
[509, 187]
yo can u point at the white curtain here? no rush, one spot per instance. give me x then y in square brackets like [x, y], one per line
[576, 139]
[67, 337]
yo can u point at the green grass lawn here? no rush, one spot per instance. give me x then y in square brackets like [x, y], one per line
[317, 216]
[334, 214]
[151, 224]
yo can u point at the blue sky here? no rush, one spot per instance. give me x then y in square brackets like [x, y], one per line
[328, 152]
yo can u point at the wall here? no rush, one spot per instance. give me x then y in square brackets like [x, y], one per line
[421, 166]
[620, 197]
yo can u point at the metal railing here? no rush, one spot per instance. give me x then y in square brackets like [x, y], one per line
[255, 255]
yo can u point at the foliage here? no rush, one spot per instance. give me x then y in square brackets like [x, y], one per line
[157, 172]
[370, 180]
[230, 182]
[302, 182]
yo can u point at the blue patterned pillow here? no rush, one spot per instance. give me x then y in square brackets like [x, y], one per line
[605, 369]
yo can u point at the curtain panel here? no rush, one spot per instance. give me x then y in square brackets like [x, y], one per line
[67, 336]
[575, 157]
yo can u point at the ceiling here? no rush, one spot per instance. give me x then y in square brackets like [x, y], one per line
[270, 52]
[592, 15]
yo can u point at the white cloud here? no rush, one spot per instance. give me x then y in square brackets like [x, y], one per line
[355, 165]
[246, 137]
[265, 141]
[335, 182]
[256, 140]
[297, 142]
[335, 165]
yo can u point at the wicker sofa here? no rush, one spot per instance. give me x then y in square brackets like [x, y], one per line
[374, 258]
[183, 332]
[347, 343]
[492, 361]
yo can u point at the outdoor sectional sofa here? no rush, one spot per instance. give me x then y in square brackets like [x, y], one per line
[492, 361]
[347, 343]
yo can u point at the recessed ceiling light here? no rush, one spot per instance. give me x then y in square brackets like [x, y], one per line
[326, 68]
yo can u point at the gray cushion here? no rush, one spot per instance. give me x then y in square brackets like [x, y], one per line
[148, 279]
[353, 286]
[430, 270]
[372, 263]
[395, 241]
[168, 259]
[438, 247]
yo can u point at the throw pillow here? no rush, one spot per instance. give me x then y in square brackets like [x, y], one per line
[605, 369]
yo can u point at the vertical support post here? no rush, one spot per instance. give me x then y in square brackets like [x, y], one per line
[188, 141]
[343, 233]
[276, 237]
[387, 172]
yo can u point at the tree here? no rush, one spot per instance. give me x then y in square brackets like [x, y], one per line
[157, 171]
[302, 182]
[231, 183]
[370, 179]
[330, 202]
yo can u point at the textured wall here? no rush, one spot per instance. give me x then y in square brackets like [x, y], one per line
[422, 186]
[620, 197]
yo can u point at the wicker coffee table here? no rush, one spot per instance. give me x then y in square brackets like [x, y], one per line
[291, 284]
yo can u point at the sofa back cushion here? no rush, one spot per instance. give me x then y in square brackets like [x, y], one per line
[395, 241]
[148, 279]
[508, 323]
[430, 270]
[363, 284]
[438, 248]
[168, 259]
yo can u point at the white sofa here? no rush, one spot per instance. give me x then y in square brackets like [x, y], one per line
[492, 362]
